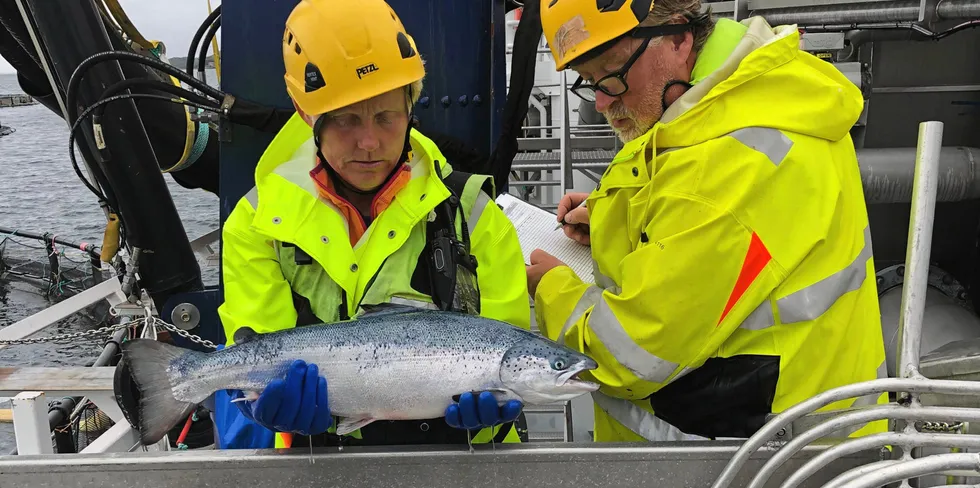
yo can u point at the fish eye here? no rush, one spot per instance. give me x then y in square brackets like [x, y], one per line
[559, 364]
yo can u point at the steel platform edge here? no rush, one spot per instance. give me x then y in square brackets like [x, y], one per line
[663, 464]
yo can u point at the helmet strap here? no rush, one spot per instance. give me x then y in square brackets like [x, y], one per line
[663, 94]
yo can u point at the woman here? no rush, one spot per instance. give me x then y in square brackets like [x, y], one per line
[347, 215]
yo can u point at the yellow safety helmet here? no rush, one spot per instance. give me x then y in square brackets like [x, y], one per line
[338, 53]
[577, 30]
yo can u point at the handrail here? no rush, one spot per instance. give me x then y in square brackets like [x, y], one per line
[914, 468]
[863, 416]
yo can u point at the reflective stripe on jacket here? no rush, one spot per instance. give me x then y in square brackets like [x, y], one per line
[732, 255]
[283, 213]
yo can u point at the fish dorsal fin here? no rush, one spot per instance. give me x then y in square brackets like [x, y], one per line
[244, 334]
[387, 309]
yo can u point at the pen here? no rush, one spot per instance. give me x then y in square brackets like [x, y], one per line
[562, 222]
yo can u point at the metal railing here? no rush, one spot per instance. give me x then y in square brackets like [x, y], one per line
[29, 388]
[552, 161]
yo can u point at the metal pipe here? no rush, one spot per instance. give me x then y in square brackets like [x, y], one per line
[876, 441]
[887, 174]
[59, 421]
[894, 11]
[919, 247]
[111, 348]
[860, 471]
[90, 249]
[915, 468]
[859, 35]
[958, 9]
[763, 435]
[56, 417]
[856, 418]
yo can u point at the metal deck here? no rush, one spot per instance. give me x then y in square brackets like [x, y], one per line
[673, 465]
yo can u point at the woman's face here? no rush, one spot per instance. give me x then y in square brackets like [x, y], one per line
[363, 142]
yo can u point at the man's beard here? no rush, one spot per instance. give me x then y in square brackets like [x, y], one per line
[631, 131]
[638, 125]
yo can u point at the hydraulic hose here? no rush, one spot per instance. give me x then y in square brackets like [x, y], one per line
[202, 60]
[78, 122]
[91, 250]
[197, 38]
[79, 73]
[155, 85]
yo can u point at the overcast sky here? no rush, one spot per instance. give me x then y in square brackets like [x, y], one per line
[172, 21]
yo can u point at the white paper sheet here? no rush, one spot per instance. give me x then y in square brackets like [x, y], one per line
[536, 230]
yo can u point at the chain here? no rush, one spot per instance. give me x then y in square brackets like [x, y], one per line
[941, 426]
[74, 335]
[186, 335]
[108, 330]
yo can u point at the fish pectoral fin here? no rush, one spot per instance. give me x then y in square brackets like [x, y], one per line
[249, 396]
[350, 424]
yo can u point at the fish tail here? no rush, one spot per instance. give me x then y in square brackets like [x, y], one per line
[159, 411]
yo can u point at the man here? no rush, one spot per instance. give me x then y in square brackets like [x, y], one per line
[349, 214]
[730, 236]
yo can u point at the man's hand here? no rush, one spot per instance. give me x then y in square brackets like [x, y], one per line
[541, 263]
[576, 219]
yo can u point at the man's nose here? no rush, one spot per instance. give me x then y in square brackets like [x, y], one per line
[603, 101]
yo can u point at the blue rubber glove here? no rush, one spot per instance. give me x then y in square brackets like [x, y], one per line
[471, 413]
[296, 404]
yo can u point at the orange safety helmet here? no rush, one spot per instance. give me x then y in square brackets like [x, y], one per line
[581, 29]
[338, 53]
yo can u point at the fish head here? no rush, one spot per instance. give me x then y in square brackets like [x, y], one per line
[541, 371]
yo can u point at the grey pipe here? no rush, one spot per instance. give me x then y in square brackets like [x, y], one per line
[860, 471]
[919, 247]
[865, 33]
[764, 434]
[859, 417]
[915, 468]
[894, 11]
[874, 441]
[887, 174]
[958, 9]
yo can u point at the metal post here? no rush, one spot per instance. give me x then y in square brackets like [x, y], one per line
[565, 157]
[919, 247]
[54, 271]
[31, 427]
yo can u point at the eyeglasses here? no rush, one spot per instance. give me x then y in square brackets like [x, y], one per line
[614, 84]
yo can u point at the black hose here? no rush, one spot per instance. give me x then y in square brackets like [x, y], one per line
[79, 73]
[155, 85]
[83, 246]
[77, 123]
[197, 38]
[202, 60]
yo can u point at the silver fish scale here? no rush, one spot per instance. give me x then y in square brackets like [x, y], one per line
[409, 363]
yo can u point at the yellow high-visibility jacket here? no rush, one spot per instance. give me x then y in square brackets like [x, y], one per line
[732, 253]
[284, 213]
